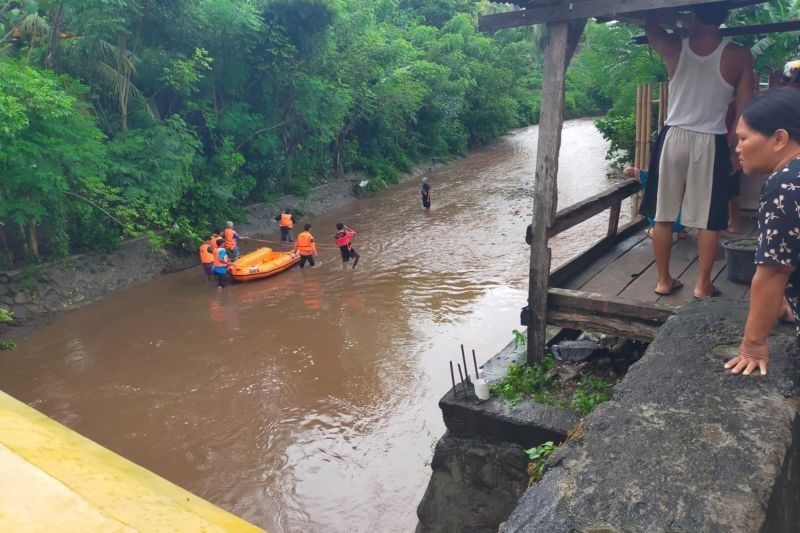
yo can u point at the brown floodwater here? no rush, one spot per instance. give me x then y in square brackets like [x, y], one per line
[308, 401]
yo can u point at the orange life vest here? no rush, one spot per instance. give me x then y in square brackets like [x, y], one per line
[220, 262]
[305, 244]
[206, 255]
[230, 239]
[286, 220]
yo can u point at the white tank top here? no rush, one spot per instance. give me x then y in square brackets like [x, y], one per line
[698, 94]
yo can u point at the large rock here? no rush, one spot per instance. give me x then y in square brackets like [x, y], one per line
[22, 298]
[683, 445]
[473, 487]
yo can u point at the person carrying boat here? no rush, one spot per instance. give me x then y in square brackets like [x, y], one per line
[426, 193]
[221, 264]
[207, 257]
[344, 240]
[231, 241]
[286, 221]
[306, 247]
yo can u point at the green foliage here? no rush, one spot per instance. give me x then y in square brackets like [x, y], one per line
[537, 456]
[590, 393]
[183, 111]
[154, 165]
[6, 316]
[520, 338]
[527, 381]
[620, 130]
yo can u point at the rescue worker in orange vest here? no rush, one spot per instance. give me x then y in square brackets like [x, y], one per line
[221, 264]
[231, 241]
[344, 240]
[207, 257]
[306, 247]
[286, 221]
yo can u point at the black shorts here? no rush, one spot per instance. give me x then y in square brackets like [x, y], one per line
[348, 252]
[733, 190]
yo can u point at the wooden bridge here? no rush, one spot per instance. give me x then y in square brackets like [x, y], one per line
[619, 267]
[610, 287]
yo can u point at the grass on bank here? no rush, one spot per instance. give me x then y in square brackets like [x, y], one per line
[540, 383]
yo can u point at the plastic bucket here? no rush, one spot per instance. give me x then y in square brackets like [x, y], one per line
[739, 259]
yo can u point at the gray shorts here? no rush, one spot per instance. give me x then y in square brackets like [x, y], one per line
[689, 176]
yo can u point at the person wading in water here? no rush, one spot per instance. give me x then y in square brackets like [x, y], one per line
[306, 247]
[286, 221]
[426, 193]
[344, 240]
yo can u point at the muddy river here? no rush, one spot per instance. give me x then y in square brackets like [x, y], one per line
[307, 401]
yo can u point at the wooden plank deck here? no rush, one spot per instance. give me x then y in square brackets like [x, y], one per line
[628, 271]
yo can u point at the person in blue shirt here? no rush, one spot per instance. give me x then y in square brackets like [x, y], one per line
[221, 263]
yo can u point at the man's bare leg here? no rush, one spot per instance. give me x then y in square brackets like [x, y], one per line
[707, 241]
[733, 219]
[662, 248]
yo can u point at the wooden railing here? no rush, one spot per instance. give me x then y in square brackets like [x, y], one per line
[569, 217]
[586, 209]
[598, 312]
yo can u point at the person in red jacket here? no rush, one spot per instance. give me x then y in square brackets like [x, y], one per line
[344, 240]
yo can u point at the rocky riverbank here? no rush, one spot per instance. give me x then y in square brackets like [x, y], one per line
[38, 294]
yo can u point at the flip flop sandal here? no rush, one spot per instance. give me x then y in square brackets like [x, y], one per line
[715, 292]
[676, 284]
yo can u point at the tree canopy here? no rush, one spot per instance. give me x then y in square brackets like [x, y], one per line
[119, 117]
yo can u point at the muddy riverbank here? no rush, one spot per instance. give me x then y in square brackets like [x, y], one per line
[39, 294]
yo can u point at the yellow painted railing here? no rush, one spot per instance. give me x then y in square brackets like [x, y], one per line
[53, 479]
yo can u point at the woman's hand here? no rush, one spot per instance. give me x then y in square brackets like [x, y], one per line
[751, 355]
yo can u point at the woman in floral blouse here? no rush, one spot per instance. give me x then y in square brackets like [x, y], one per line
[769, 143]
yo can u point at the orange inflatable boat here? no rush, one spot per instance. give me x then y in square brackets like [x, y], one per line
[262, 263]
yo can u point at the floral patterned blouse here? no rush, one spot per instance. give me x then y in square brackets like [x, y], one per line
[779, 228]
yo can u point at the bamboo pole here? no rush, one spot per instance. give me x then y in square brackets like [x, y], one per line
[662, 104]
[648, 123]
[638, 147]
[637, 144]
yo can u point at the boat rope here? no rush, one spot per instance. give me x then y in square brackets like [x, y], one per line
[279, 242]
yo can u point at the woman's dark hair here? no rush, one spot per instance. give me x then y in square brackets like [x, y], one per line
[220, 242]
[307, 227]
[773, 110]
[712, 14]
[339, 226]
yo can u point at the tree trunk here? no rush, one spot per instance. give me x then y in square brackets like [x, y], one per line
[32, 239]
[56, 21]
[3, 239]
[124, 86]
[23, 239]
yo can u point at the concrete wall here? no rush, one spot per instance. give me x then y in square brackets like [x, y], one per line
[683, 445]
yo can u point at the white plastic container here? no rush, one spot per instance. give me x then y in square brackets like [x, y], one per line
[481, 389]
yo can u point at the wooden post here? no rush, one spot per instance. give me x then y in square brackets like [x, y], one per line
[663, 89]
[644, 127]
[613, 218]
[545, 188]
[648, 123]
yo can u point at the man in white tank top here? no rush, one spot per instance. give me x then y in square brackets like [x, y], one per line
[690, 166]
